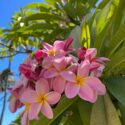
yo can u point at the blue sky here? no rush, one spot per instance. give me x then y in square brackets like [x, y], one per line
[7, 8]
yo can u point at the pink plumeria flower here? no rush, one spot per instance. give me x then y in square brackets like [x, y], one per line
[97, 64]
[60, 65]
[55, 50]
[16, 93]
[41, 99]
[30, 69]
[87, 87]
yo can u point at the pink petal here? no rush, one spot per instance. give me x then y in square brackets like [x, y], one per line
[25, 120]
[69, 76]
[69, 60]
[71, 90]
[68, 42]
[53, 97]
[12, 105]
[47, 110]
[24, 68]
[29, 96]
[59, 45]
[94, 66]
[59, 84]
[83, 68]
[50, 73]
[60, 63]
[47, 46]
[81, 53]
[86, 93]
[96, 84]
[34, 110]
[90, 53]
[47, 62]
[42, 86]
[102, 59]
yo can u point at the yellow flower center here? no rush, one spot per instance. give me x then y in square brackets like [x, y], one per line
[80, 80]
[52, 52]
[41, 99]
[27, 107]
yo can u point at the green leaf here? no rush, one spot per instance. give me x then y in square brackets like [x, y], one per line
[72, 116]
[44, 16]
[116, 86]
[75, 34]
[85, 109]
[63, 105]
[98, 113]
[116, 60]
[104, 112]
[36, 5]
[103, 21]
[85, 35]
[111, 112]
[116, 41]
[122, 111]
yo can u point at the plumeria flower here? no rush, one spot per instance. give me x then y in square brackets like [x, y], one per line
[97, 63]
[87, 87]
[59, 48]
[60, 65]
[55, 50]
[41, 99]
[16, 93]
[30, 70]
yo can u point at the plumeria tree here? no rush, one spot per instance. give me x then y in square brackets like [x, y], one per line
[74, 72]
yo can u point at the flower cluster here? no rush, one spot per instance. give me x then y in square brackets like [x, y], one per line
[54, 72]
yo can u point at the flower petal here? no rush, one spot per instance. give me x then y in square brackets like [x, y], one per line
[60, 63]
[29, 96]
[71, 90]
[83, 68]
[59, 84]
[96, 84]
[50, 73]
[69, 76]
[86, 93]
[25, 120]
[34, 110]
[53, 97]
[47, 110]
[47, 46]
[13, 105]
[47, 62]
[59, 44]
[90, 53]
[42, 86]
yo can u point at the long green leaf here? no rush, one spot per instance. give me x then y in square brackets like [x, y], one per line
[117, 40]
[111, 112]
[85, 35]
[104, 112]
[85, 109]
[98, 113]
[116, 86]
